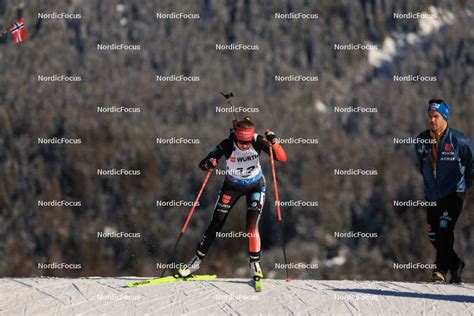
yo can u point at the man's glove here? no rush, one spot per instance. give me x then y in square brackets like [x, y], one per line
[270, 136]
[207, 164]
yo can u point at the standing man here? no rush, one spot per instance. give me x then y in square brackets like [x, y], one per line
[445, 158]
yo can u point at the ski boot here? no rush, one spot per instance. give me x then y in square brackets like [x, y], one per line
[189, 268]
[257, 275]
[456, 273]
[438, 276]
[256, 270]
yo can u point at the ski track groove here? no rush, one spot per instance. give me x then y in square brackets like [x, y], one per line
[312, 308]
[219, 303]
[101, 306]
[158, 298]
[41, 291]
[387, 301]
[175, 295]
[283, 299]
[347, 304]
[468, 307]
[232, 309]
[309, 307]
[198, 302]
[56, 296]
[95, 307]
[298, 297]
[73, 306]
[77, 288]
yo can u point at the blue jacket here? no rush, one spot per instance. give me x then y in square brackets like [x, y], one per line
[454, 164]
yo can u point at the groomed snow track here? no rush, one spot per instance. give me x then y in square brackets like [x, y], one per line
[109, 296]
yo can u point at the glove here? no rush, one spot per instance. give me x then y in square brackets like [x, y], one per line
[207, 164]
[270, 136]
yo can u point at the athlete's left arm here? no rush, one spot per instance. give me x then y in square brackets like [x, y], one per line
[467, 158]
[278, 151]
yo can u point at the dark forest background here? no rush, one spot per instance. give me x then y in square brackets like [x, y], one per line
[30, 109]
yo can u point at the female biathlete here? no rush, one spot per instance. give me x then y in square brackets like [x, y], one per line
[244, 177]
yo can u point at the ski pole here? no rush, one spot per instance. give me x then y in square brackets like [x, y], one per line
[277, 201]
[183, 229]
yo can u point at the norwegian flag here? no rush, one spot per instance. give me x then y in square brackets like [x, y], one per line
[18, 31]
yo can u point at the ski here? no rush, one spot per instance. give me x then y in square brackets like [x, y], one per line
[174, 278]
[257, 284]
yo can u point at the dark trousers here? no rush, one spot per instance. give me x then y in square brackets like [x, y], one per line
[228, 196]
[441, 220]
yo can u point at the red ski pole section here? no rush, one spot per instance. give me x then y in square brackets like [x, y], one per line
[275, 185]
[196, 201]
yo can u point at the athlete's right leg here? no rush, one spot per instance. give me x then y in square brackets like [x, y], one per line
[226, 199]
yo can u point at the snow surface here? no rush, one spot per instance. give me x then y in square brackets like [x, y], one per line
[392, 45]
[319, 106]
[99, 296]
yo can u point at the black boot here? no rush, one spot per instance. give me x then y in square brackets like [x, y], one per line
[456, 273]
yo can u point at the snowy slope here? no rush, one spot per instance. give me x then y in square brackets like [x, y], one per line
[92, 296]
